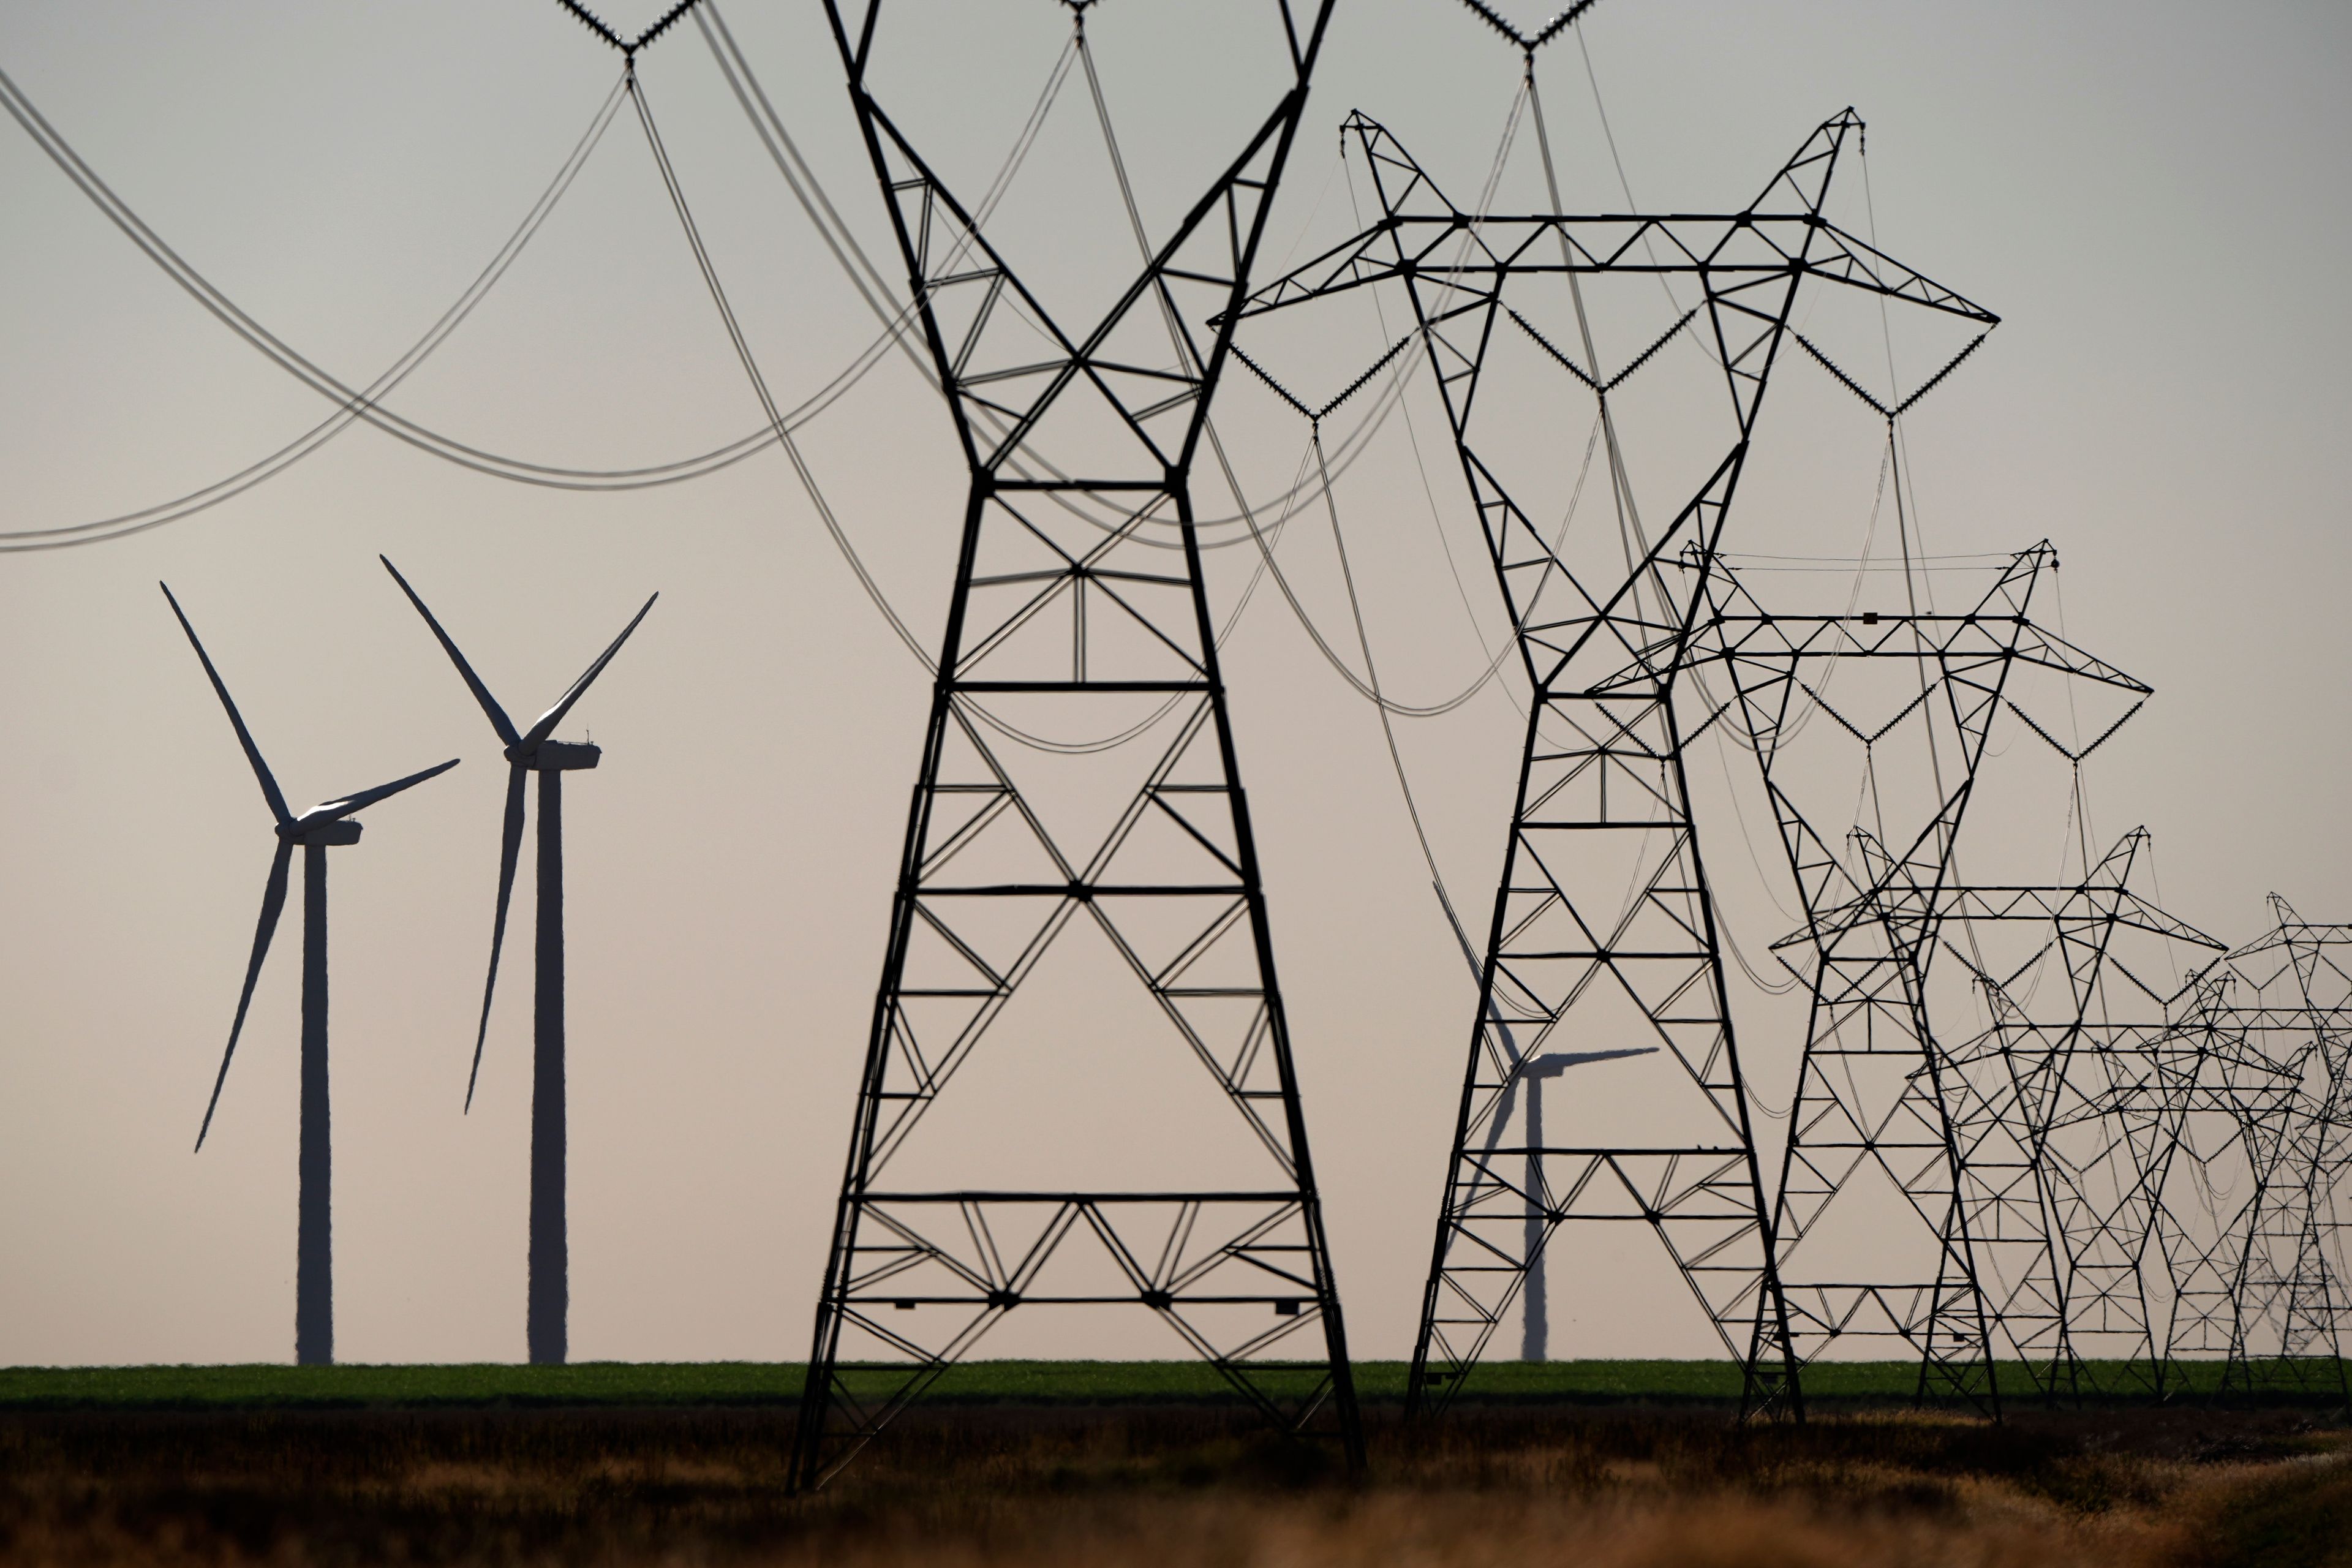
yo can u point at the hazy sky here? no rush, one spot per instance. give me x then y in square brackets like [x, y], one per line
[2153, 197]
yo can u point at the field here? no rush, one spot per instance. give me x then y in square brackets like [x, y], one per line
[641, 1383]
[1586, 1463]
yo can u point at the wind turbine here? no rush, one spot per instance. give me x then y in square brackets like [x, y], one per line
[324, 825]
[1535, 1330]
[535, 750]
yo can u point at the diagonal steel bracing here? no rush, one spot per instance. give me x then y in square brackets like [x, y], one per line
[2062, 1119]
[2216, 1097]
[2287, 1000]
[1031, 838]
[1928, 1164]
[1603, 944]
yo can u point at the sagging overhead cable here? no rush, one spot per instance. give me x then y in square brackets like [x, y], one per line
[285, 456]
[365, 403]
[758, 382]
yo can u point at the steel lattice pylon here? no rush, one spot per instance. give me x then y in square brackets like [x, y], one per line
[1070, 614]
[2063, 1216]
[2290, 1001]
[1880, 1110]
[2216, 1099]
[1572, 958]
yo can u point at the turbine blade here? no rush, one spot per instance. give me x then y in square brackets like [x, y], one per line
[273, 901]
[510, 851]
[349, 804]
[498, 719]
[244, 736]
[554, 716]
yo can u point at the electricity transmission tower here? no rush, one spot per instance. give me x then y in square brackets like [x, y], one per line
[2060, 1159]
[2292, 1293]
[2223, 1101]
[1915, 1169]
[1603, 934]
[1078, 615]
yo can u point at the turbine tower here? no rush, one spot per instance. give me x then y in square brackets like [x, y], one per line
[535, 750]
[324, 825]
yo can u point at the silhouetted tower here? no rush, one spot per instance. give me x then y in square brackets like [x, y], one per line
[328, 824]
[1603, 935]
[535, 750]
[2292, 1293]
[2062, 1150]
[1077, 619]
[1930, 1170]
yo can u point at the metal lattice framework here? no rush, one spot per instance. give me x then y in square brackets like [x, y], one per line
[1071, 616]
[2064, 1151]
[2212, 1095]
[1578, 968]
[2289, 1000]
[1885, 1128]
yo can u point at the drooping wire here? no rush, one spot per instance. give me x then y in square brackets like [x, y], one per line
[1497, 656]
[1862, 564]
[1412, 438]
[1184, 359]
[1352, 446]
[1372, 683]
[1369, 690]
[353, 408]
[1685, 328]
[335, 423]
[758, 382]
[319, 380]
[1601, 110]
[1632, 537]
[753, 98]
[366, 403]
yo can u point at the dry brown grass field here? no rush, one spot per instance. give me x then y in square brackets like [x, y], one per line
[1097, 1484]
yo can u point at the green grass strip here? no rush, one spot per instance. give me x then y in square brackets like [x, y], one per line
[775, 1382]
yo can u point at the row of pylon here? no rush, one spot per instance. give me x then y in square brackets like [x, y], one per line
[2051, 1189]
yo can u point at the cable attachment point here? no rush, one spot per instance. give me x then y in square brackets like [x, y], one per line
[628, 47]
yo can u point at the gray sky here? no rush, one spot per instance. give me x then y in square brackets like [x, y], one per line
[2153, 197]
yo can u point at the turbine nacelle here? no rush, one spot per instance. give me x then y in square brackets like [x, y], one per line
[554, 756]
[312, 827]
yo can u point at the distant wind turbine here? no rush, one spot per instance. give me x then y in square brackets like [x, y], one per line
[1535, 1330]
[534, 751]
[325, 824]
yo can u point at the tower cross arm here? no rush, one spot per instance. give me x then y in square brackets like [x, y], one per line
[1760, 639]
[2039, 646]
[2114, 906]
[1422, 235]
[1478, 255]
